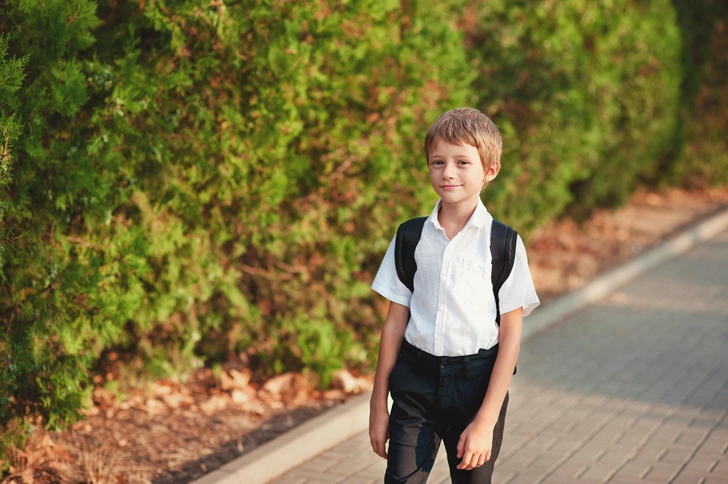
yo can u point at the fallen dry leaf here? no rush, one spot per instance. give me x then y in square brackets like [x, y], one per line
[91, 411]
[160, 389]
[215, 403]
[334, 394]
[27, 476]
[154, 407]
[103, 397]
[344, 380]
[244, 395]
[177, 399]
[279, 384]
[289, 389]
[235, 379]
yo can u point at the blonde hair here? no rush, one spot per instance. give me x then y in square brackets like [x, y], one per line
[467, 125]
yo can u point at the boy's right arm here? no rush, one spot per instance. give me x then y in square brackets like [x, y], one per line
[393, 330]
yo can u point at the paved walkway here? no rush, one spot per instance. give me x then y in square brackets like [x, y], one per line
[631, 390]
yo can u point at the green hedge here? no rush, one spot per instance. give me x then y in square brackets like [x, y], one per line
[202, 181]
[183, 182]
[584, 92]
[700, 154]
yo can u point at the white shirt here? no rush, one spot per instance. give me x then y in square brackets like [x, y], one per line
[452, 309]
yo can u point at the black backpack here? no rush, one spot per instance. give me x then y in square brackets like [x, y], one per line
[502, 251]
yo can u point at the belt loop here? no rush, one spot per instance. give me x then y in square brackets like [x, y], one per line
[468, 372]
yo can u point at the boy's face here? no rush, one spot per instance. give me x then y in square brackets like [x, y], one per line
[456, 172]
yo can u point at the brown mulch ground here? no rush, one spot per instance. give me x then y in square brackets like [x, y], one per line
[174, 433]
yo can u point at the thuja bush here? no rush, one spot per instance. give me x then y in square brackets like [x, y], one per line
[52, 292]
[195, 180]
[585, 95]
[700, 155]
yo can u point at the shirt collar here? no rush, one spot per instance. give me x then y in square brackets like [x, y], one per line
[480, 217]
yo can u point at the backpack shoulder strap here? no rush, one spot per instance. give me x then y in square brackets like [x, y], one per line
[408, 235]
[503, 254]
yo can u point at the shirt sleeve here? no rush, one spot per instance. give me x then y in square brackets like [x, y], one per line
[387, 282]
[518, 290]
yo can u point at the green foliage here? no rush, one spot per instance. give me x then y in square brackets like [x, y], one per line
[11, 78]
[584, 93]
[68, 290]
[637, 101]
[700, 154]
[205, 180]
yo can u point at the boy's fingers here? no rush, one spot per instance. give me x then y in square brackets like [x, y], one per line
[461, 446]
[379, 449]
[476, 461]
[487, 455]
[382, 451]
[465, 463]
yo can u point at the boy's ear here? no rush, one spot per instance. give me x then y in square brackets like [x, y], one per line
[492, 172]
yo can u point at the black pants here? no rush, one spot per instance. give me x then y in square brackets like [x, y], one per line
[436, 398]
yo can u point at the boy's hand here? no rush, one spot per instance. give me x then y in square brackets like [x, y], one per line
[379, 430]
[475, 445]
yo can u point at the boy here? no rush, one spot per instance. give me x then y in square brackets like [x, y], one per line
[442, 355]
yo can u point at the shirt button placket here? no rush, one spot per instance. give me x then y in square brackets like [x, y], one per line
[442, 300]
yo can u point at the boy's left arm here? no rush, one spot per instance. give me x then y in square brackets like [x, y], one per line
[476, 440]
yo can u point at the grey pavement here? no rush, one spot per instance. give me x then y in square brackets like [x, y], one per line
[633, 389]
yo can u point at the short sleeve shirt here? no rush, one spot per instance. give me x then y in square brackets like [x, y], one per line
[452, 308]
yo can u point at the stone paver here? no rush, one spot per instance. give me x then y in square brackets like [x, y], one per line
[631, 390]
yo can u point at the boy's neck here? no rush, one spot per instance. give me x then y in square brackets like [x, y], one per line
[454, 216]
